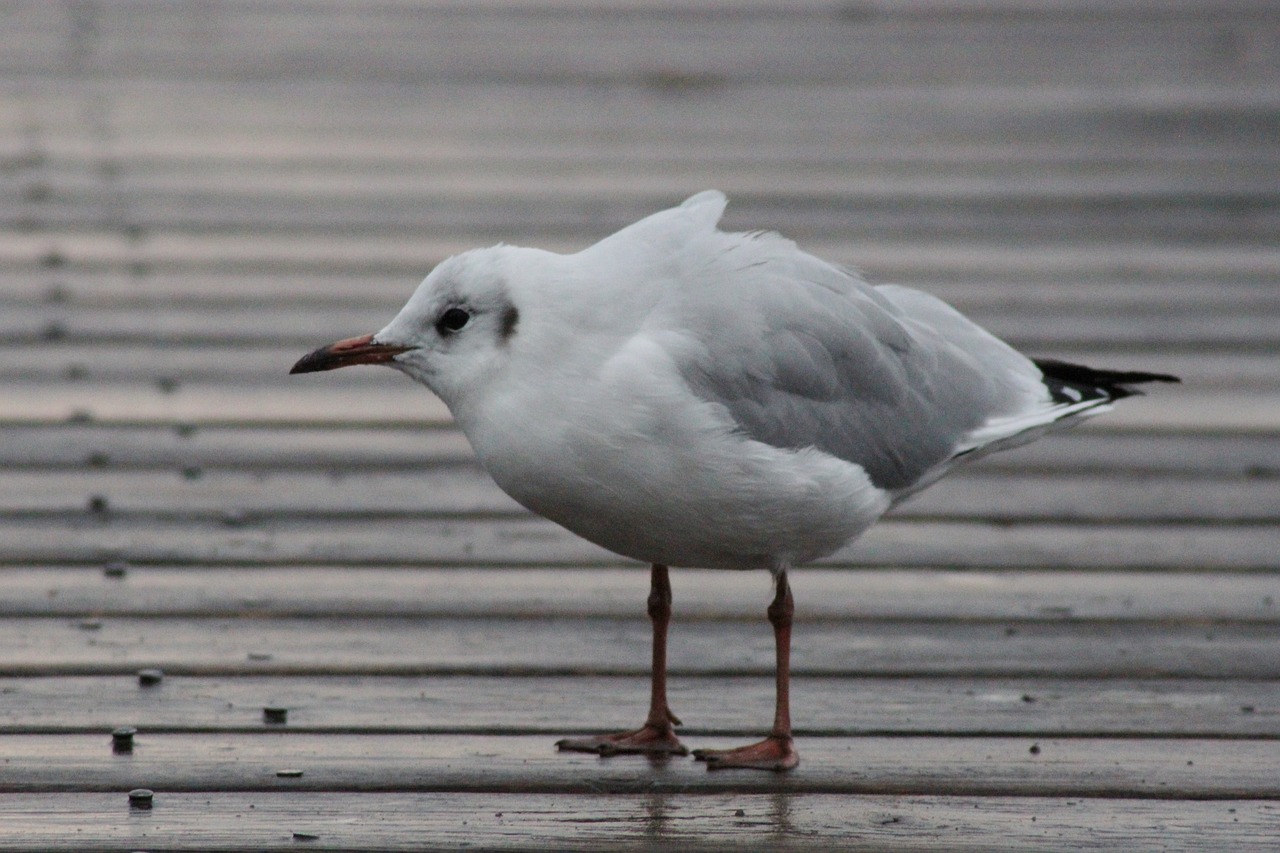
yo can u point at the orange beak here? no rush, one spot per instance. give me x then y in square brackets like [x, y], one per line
[361, 350]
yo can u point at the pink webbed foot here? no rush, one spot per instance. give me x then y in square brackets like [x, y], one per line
[647, 740]
[776, 753]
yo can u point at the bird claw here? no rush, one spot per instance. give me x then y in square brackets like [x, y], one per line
[776, 753]
[647, 740]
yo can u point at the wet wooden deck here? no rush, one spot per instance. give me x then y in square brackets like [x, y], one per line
[1071, 646]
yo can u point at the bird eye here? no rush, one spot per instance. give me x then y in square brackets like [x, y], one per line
[452, 321]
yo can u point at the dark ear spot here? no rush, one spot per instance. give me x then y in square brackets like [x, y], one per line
[510, 318]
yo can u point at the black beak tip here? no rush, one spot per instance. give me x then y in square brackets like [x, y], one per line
[344, 353]
[313, 362]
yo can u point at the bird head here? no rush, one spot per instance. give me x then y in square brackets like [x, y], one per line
[451, 335]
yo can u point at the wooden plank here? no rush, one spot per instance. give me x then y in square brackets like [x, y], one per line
[156, 290]
[668, 53]
[648, 91]
[359, 182]
[452, 491]
[76, 150]
[928, 9]
[458, 491]
[162, 325]
[1094, 447]
[1091, 448]
[77, 155]
[1076, 767]
[1073, 204]
[94, 249]
[561, 593]
[445, 646]
[622, 48]
[147, 111]
[1095, 498]
[385, 398]
[553, 705]
[1035, 216]
[53, 822]
[64, 192]
[696, 822]
[235, 540]
[809, 115]
[382, 168]
[43, 446]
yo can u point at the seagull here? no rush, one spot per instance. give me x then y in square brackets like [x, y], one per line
[691, 397]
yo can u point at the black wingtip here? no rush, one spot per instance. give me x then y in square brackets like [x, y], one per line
[1112, 384]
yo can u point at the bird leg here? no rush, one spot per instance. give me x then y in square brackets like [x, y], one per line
[777, 751]
[657, 735]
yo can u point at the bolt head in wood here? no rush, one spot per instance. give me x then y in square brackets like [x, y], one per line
[150, 677]
[122, 739]
[140, 798]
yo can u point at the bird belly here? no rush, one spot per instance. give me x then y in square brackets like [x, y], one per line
[729, 503]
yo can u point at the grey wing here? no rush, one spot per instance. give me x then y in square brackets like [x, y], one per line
[889, 378]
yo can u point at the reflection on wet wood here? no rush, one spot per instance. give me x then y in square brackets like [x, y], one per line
[639, 821]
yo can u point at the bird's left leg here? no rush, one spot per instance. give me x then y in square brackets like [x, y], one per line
[777, 751]
[657, 735]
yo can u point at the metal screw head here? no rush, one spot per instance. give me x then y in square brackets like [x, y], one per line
[149, 677]
[140, 798]
[274, 714]
[122, 739]
[115, 569]
[289, 774]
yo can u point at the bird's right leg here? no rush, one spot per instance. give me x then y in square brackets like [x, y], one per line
[776, 752]
[657, 735]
